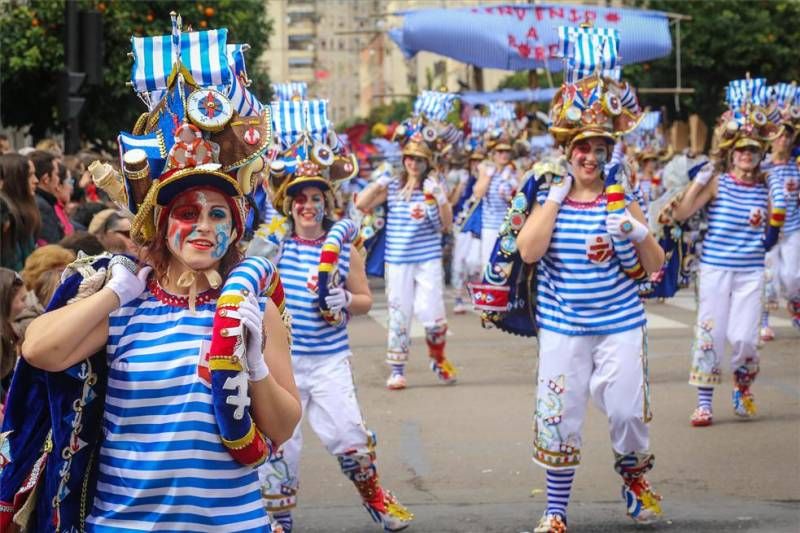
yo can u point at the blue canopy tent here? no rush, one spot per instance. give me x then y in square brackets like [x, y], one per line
[519, 37]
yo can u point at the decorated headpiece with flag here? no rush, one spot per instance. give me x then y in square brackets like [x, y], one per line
[592, 101]
[292, 90]
[746, 121]
[427, 132]
[306, 152]
[194, 134]
[784, 105]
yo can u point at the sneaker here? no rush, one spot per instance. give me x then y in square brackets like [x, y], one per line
[460, 307]
[701, 417]
[388, 512]
[396, 382]
[551, 523]
[445, 371]
[793, 306]
[744, 404]
[641, 501]
[766, 334]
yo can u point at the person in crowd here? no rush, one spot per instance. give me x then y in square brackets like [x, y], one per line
[497, 181]
[321, 347]
[5, 144]
[783, 179]
[19, 215]
[50, 257]
[12, 303]
[591, 244]
[64, 190]
[85, 212]
[731, 276]
[113, 230]
[51, 230]
[418, 213]
[52, 146]
[82, 241]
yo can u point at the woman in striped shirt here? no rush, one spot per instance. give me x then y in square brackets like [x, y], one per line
[321, 351]
[162, 463]
[591, 321]
[731, 276]
[419, 212]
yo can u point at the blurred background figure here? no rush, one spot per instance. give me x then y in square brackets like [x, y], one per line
[5, 144]
[12, 302]
[64, 189]
[51, 231]
[19, 216]
[48, 259]
[82, 241]
[113, 229]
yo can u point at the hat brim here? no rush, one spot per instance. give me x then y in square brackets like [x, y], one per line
[413, 151]
[501, 146]
[746, 142]
[184, 180]
[311, 181]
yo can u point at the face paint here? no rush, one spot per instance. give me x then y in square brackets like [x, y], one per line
[223, 233]
[316, 201]
[199, 221]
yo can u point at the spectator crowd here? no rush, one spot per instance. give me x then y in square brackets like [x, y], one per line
[50, 214]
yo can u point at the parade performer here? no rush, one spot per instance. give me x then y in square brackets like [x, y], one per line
[466, 243]
[731, 271]
[783, 261]
[325, 283]
[592, 244]
[418, 213]
[150, 392]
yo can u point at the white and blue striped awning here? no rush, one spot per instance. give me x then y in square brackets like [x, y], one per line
[242, 100]
[289, 90]
[750, 90]
[479, 123]
[523, 37]
[290, 118]
[203, 53]
[588, 50]
[783, 93]
[501, 111]
[236, 58]
[434, 105]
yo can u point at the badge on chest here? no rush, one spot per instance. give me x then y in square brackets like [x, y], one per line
[417, 212]
[599, 249]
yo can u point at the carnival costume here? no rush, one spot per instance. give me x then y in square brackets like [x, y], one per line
[177, 446]
[782, 272]
[502, 186]
[731, 274]
[588, 316]
[313, 270]
[413, 252]
[465, 263]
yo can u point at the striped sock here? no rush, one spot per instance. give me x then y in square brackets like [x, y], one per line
[765, 318]
[704, 396]
[284, 518]
[398, 369]
[559, 485]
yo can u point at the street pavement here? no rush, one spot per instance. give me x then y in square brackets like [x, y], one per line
[459, 456]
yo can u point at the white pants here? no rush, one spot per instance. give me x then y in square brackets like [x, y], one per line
[729, 309]
[612, 370]
[488, 238]
[416, 288]
[328, 398]
[466, 260]
[783, 261]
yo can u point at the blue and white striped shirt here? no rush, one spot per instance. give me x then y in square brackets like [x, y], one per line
[413, 228]
[784, 190]
[162, 464]
[736, 225]
[498, 198]
[582, 289]
[298, 267]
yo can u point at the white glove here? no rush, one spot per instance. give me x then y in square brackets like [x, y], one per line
[383, 180]
[434, 188]
[559, 188]
[339, 298]
[704, 175]
[624, 226]
[127, 285]
[253, 322]
[463, 177]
